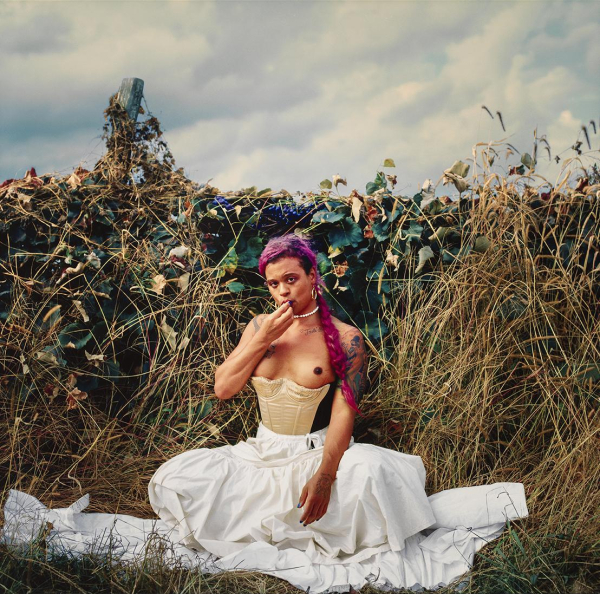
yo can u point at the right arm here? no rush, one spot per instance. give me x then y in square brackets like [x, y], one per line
[231, 376]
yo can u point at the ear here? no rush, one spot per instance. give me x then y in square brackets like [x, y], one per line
[312, 275]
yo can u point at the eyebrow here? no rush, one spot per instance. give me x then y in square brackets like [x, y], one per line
[283, 275]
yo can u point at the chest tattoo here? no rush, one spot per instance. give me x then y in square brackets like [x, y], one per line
[308, 331]
[270, 352]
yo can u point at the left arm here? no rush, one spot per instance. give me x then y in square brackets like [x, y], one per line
[317, 491]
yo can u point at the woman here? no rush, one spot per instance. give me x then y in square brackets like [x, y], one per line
[301, 500]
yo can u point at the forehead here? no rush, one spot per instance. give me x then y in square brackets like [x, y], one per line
[283, 266]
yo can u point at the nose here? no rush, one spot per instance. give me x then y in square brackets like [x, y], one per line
[283, 290]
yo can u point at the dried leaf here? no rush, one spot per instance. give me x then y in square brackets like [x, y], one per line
[46, 357]
[169, 334]
[25, 366]
[427, 193]
[459, 182]
[97, 360]
[356, 206]
[51, 391]
[75, 270]
[340, 269]
[183, 282]
[337, 179]
[73, 397]
[25, 201]
[389, 163]
[424, 254]
[159, 282]
[179, 252]
[71, 380]
[93, 260]
[79, 306]
[392, 259]
[74, 181]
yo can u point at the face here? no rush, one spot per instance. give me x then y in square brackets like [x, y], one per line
[287, 281]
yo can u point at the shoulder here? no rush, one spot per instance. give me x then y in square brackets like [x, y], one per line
[350, 337]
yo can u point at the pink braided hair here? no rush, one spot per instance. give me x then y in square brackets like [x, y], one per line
[292, 246]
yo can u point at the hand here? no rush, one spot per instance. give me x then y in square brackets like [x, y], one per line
[316, 494]
[274, 325]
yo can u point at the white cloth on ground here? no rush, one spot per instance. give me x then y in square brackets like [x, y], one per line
[236, 506]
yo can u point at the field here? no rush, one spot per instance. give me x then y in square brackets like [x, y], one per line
[123, 288]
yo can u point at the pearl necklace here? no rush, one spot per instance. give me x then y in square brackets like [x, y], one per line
[314, 311]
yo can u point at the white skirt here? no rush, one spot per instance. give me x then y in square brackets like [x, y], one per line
[235, 508]
[240, 504]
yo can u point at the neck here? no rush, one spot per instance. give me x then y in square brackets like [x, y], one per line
[312, 318]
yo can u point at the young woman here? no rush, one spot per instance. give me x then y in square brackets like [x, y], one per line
[301, 500]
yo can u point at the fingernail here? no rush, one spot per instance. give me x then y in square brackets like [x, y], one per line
[298, 505]
[300, 521]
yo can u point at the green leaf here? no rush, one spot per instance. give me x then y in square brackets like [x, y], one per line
[348, 233]
[527, 160]
[228, 263]
[324, 263]
[428, 415]
[381, 230]
[482, 243]
[512, 308]
[324, 216]
[374, 327]
[263, 192]
[413, 232]
[235, 287]
[459, 168]
[74, 336]
[113, 370]
[326, 184]
[249, 251]
[389, 163]
[372, 187]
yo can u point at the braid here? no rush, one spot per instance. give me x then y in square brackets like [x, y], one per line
[293, 246]
[334, 347]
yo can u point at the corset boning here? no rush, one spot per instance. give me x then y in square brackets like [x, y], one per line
[287, 407]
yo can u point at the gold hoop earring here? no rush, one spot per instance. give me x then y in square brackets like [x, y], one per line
[314, 293]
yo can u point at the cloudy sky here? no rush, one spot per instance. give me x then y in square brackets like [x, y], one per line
[283, 94]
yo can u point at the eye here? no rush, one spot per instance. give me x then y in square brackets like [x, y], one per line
[272, 284]
[291, 279]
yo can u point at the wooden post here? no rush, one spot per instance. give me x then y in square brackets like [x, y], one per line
[130, 96]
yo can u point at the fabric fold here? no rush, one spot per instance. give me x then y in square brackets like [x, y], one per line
[234, 508]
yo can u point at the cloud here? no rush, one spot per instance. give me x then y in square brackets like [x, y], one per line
[284, 94]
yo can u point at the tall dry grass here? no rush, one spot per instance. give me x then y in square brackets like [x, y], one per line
[490, 373]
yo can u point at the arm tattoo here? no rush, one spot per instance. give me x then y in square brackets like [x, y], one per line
[324, 484]
[257, 322]
[356, 370]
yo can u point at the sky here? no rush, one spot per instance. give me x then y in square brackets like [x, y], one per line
[283, 94]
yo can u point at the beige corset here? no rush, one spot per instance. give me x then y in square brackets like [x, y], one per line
[285, 406]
